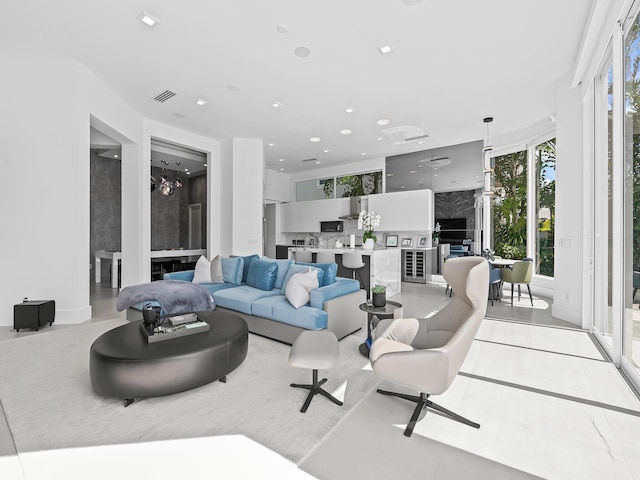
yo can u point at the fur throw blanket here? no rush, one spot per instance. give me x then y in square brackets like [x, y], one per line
[174, 296]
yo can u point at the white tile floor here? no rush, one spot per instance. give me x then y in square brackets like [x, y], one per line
[549, 404]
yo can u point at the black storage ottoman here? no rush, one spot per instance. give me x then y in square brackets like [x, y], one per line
[33, 314]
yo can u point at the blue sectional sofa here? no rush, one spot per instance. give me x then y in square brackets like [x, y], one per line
[268, 312]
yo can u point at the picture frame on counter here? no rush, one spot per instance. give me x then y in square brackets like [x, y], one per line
[406, 242]
[422, 241]
[392, 241]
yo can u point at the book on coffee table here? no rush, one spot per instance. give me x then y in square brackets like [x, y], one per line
[176, 331]
[180, 319]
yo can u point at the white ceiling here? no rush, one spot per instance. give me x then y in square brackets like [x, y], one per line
[453, 63]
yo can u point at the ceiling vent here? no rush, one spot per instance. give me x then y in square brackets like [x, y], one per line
[309, 160]
[164, 96]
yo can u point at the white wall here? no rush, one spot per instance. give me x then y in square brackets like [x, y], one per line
[568, 268]
[248, 170]
[44, 145]
[277, 186]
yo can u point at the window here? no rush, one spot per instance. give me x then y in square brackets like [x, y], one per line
[545, 156]
[339, 187]
[510, 208]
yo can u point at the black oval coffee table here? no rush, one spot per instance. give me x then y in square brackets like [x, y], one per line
[123, 365]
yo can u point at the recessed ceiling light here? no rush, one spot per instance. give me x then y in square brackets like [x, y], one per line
[383, 121]
[147, 19]
[282, 169]
[188, 173]
[272, 144]
[391, 174]
[349, 110]
[420, 166]
[413, 171]
[363, 154]
[318, 162]
[345, 131]
[420, 142]
[402, 187]
[326, 151]
[385, 49]
[115, 155]
[283, 28]
[302, 52]
[379, 139]
[204, 164]
[281, 160]
[201, 102]
[435, 174]
[314, 139]
[276, 104]
[186, 169]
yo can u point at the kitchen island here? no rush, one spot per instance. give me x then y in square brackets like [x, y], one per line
[382, 266]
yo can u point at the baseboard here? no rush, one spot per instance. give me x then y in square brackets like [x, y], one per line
[567, 314]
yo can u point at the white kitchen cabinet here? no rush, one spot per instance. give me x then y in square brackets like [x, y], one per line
[306, 216]
[403, 211]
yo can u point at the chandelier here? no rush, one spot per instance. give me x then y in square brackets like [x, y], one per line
[167, 187]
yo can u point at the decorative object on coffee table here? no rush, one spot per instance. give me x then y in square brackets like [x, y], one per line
[379, 298]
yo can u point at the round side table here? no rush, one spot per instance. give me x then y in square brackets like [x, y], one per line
[381, 312]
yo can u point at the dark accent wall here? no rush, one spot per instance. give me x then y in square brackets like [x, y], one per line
[169, 215]
[105, 224]
[456, 205]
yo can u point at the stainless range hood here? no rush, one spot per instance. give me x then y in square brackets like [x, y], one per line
[355, 205]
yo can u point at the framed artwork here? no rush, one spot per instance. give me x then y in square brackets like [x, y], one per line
[406, 242]
[422, 241]
[392, 240]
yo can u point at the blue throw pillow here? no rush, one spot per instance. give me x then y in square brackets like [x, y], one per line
[283, 267]
[262, 274]
[247, 263]
[232, 270]
[300, 268]
[330, 272]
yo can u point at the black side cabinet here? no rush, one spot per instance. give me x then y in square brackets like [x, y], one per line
[33, 314]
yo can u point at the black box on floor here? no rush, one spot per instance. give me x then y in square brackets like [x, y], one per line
[33, 314]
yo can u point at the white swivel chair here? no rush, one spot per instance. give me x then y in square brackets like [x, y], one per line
[425, 354]
[353, 261]
[325, 257]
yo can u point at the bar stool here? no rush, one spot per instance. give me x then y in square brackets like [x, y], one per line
[303, 256]
[325, 257]
[353, 261]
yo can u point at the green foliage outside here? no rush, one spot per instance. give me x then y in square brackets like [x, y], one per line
[632, 132]
[355, 185]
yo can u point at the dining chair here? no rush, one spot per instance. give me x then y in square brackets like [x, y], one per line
[519, 274]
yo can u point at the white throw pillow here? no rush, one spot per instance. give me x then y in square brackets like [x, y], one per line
[203, 271]
[299, 286]
[216, 270]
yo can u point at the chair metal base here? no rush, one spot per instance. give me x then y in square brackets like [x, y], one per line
[314, 389]
[423, 402]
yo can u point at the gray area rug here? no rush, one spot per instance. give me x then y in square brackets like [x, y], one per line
[49, 403]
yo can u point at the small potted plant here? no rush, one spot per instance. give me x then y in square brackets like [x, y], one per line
[379, 295]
